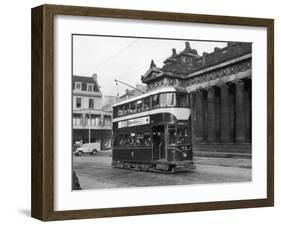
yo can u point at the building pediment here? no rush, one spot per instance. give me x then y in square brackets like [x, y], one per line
[151, 74]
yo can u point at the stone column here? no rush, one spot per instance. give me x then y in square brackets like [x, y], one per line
[225, 114]
[231, 105]
[199, 116]
[193, 115]
[218, 113]
[240, 112]
[205, 95]
[102, 120]
[211, 115]
[248, 110]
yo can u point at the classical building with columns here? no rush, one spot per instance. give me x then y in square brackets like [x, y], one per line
[220, 86]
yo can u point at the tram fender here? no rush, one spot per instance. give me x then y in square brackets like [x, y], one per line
[160, 166]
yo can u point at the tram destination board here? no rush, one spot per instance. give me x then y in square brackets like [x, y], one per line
[134, 122]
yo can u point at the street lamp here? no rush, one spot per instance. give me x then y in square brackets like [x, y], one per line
[89, 130]
[89, 126]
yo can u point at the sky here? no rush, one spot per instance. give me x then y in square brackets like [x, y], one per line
[125, 58]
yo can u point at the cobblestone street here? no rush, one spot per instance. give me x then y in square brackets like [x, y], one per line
[96, 172]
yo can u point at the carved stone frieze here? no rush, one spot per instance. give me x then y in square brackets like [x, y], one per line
[225, 71]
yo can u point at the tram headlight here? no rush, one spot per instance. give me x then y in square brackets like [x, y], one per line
[184, 155]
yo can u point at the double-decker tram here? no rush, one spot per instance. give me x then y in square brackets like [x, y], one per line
[152, 132]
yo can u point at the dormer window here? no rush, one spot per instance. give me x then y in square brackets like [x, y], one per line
[78, 85]
[90, 87]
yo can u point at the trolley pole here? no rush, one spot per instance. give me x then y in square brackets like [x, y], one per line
[115, 80]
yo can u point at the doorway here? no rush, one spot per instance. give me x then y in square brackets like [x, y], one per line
[158, 141]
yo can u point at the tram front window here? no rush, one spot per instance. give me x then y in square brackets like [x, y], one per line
[167, 100]
[183, 137]
[172, 135]
[182, 100]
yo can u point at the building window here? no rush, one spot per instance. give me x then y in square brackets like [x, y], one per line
[78, 102]
[76, 121]
[107, 120]
[90, 87]
[78, 85]
[84, 86]
[91, 103]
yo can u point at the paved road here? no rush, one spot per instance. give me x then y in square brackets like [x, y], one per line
[96, 172]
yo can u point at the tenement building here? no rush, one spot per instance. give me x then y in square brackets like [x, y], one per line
[220, 86]
[92, 118]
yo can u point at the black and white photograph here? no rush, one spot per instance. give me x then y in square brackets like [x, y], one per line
[152, 111]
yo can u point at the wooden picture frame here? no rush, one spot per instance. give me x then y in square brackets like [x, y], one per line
[43, 112]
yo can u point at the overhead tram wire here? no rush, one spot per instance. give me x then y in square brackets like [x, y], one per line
[139, 68]
[116, 54]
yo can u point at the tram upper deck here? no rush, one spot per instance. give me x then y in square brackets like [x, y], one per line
[161, 100]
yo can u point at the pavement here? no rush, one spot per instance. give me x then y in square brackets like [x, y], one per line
[96, 172]
[225, 162]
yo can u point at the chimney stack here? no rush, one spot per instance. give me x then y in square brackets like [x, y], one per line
[174, 52]
[95, 76]
[216, 54]
[187, 46]
[204, 58]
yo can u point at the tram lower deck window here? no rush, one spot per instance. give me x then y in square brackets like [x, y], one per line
[132, 139]
[124, 140]
[143, 138]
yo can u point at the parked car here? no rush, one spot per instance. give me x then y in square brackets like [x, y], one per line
[88, 148]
